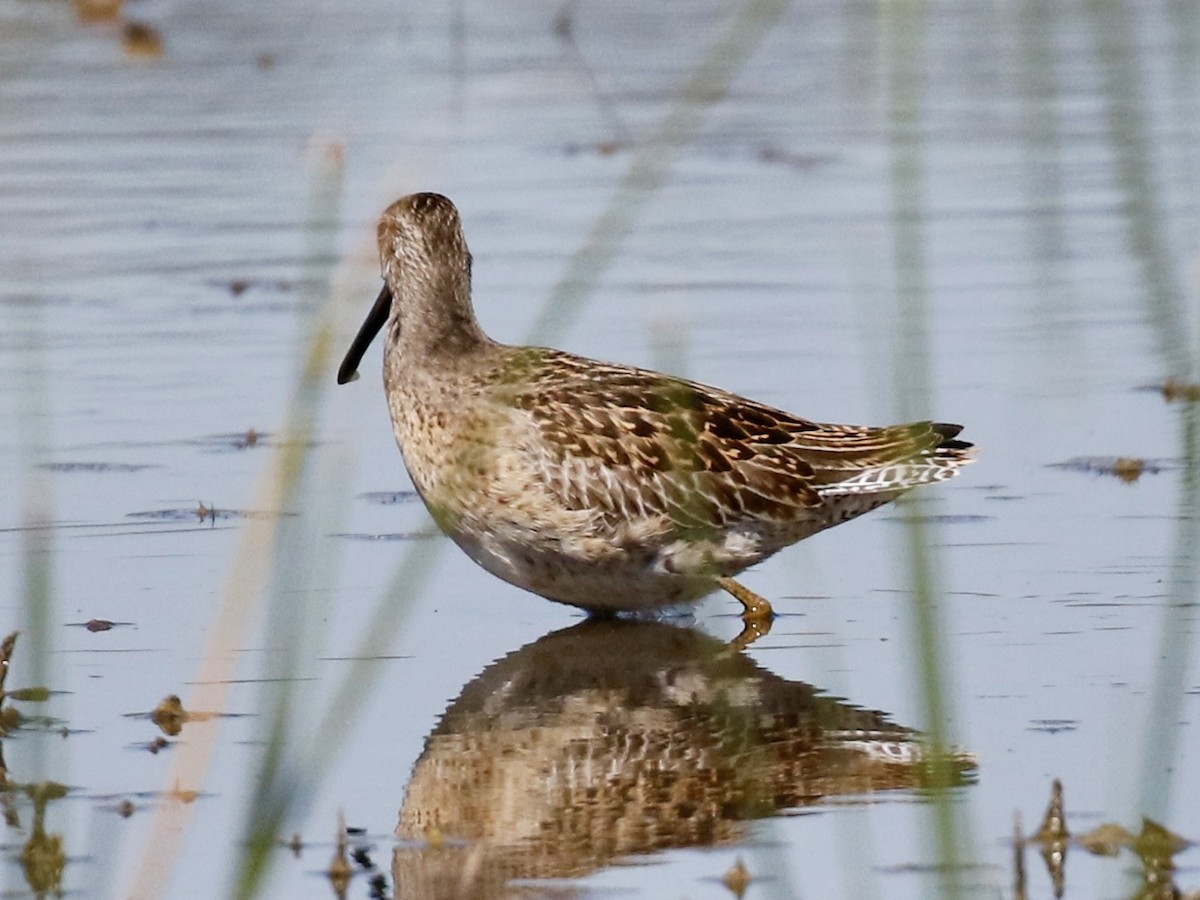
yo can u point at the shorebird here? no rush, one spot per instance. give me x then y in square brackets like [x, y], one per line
[605, 486]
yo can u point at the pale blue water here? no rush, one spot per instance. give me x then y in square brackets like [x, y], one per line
[1057, 230]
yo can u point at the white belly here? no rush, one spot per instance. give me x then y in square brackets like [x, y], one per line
[622, 580]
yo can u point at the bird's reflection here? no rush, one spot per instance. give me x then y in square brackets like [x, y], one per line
[617, 738]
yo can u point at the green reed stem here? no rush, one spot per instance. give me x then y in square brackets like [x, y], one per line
[902, 24]
[297, 552]
[37, 544]
[1160, 753]
[1164, 296]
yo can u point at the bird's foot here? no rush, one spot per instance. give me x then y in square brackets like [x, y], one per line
[756, 613]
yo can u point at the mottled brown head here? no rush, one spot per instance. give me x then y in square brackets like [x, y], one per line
[426, 298]
[421, 236]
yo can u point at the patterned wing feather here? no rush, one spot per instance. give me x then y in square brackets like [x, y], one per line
[629, 442]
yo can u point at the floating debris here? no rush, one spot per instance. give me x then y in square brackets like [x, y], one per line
[125, 804]
[158, 744]
[96, 467]
[1173, 389]
[239, 286]
[1053, 726]
[600, 148]
[340, 872]
[95, 625]
[98, 10]
[169, 715]
[1127, 468]
[799, 161]
[387, 498]
[1105, 840]
[1054, 823]
[737, 879]
[182, 795]
[43, 859]
[203, 512]
[1155, 845]
[1155, 841]
[141, 40]
[30, 694]
[237, 440]
[1053, 836]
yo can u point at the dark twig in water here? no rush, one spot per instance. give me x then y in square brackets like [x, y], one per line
[564, 28]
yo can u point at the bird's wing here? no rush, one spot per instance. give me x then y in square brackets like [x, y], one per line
[628, 442]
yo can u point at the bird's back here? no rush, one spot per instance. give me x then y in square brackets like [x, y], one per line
[627, 442]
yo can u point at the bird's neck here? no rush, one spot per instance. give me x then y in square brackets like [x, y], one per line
[432, 324]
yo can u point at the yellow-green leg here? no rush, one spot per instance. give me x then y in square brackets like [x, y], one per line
[756, 613]
[756, 608]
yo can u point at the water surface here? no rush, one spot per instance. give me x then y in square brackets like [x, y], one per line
[983, 213]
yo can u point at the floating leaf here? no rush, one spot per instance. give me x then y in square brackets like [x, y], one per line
[1106, 839]
[1157, 842]
[30, 694]
[737, 879]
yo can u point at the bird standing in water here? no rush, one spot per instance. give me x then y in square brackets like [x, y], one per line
[605, 486]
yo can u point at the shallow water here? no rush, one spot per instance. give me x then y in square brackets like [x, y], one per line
[1004, 193]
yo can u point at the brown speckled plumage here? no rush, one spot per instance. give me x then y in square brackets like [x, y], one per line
[600, 485]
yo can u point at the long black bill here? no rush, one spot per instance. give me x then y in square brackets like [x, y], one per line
[376, 319]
